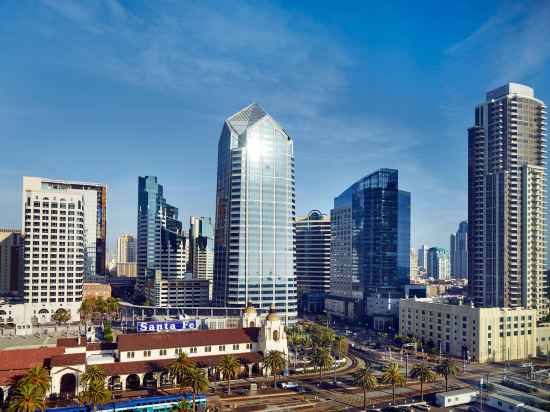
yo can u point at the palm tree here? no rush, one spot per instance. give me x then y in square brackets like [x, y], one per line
[26, 398]
[392, 375]
[178, 369]
[229, 366]
[295, 337]
[340, 346]
[182, 406]
[87, 308]
[321, 360]
[274, 361]
[112, 306]
[94, 375]
[366, 378]
[38, 378]
[95, 394]
[423, 373]
[196, 379]
[447, 368]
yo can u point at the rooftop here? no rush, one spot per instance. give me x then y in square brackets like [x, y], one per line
[140, 341]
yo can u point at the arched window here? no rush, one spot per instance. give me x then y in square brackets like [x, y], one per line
[275, 335]
[252, 324]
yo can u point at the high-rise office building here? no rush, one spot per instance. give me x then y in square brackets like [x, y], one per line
[126, 249]
[459, 252]
[414, 264]
[423, 258]
[95, 223]
[312, 260]
[201, 249]
[11, 261]
[254, 255]
[161, 242]
[126, 265]
[54, 229]
[370, 253]
[507, 200]
[439, 263]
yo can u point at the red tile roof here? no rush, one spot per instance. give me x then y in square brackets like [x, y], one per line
[70, 359]
[100, 346]
[156, 340]
[124, 368]
[15, 362]
[71, 342]
[27, 358]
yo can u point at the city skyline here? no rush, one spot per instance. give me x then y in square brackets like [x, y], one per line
[112, 109]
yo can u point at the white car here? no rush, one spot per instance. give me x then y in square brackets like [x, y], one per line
[289, 385]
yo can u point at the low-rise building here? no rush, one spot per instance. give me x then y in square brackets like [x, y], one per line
[140, 360]
[96, 290]
[462, 330]
[185, 291]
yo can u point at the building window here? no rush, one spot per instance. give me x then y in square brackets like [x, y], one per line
[208, 348]
[221, 348]
[130, 355]
[163, 352]
[193, 350]
[248, 346]
[146, 353]
[178, 351]
[276, 334]
[236, 346]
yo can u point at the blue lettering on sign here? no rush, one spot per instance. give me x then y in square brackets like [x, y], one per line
[166, 326]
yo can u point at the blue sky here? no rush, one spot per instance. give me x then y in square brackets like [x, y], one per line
[109, 90]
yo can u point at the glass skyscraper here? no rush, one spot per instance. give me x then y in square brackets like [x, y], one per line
[370, 254]
[161, 242]
[254, 241]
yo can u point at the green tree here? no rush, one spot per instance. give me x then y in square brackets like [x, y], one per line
[178, 368]
[107, 332]
[112, 307]
[182, 406]
[423, 373]
[61, 316]
[229, 367]
[94, 375]
[95, 394]
[340, 347]
[447, 368]
[196, 379]
[274, 361]
[321, 360]
[87, 309]
[38, 378]
[322, 336]
[391, 374]
[366, 378]
[295, 336]
[26, 398]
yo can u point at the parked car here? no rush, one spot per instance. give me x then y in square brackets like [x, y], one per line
[289, 385]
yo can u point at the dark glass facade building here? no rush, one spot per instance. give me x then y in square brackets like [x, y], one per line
[371, 223]
[161, 242]
[254, 233]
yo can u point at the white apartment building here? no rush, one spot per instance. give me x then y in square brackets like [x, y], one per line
[464, 331]
[94, 202]
[55, 245]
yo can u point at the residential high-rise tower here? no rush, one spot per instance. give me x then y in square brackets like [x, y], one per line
[95, 224]
[312, 260]
[254, 254]
[459, 252]
[439, 263]
[11, 261]
[201, 249]
[507, 200]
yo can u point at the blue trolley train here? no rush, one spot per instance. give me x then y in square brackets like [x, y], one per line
[150, 404]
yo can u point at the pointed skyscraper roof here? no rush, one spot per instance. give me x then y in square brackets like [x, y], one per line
[245, 118]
